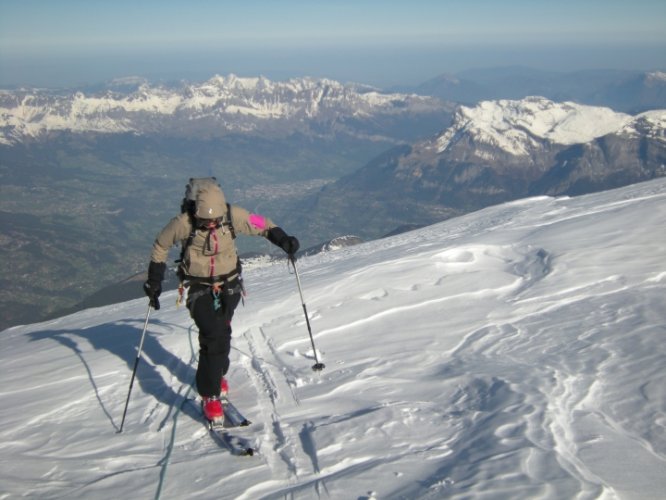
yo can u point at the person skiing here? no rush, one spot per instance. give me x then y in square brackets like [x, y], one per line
[210, 267]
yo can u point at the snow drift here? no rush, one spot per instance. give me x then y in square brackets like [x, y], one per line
[514, 352]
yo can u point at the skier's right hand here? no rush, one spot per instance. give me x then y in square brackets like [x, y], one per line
[153, 285]
[153, 291]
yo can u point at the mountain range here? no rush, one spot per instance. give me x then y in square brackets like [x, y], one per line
[219, 107]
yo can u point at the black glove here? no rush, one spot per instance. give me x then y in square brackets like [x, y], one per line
[287, 243]
[153, 285]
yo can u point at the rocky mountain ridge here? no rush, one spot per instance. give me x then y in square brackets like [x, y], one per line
[495, 152]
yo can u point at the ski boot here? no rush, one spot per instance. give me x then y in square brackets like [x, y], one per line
[212, 409]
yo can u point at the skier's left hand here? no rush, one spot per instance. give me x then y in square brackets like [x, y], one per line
[290, 245]
[287, 243]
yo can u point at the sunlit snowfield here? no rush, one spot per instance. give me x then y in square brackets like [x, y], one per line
[519, 351]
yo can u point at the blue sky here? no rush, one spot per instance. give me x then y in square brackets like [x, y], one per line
[381, 42]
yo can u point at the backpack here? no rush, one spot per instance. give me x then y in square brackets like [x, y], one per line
[189, 203]
[189, 206]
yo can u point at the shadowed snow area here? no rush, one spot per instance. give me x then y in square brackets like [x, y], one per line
[515, 352]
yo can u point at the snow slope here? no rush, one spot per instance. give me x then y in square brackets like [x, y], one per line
[515, 352]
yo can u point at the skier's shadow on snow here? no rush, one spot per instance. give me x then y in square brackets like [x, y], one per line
[122, 338]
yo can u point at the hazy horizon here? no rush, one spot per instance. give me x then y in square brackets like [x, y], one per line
[383, 43]
[387, 68]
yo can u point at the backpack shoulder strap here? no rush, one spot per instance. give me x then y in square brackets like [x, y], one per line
[189, 239]
[230, 223]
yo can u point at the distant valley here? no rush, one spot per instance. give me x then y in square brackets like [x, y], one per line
[88, 178]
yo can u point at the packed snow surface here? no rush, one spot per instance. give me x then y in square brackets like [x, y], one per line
[515, 352]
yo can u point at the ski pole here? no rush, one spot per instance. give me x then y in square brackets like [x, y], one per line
[136, 363]
[317, 366]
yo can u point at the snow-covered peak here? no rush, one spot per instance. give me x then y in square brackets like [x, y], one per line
[233, 81]
[515, 125]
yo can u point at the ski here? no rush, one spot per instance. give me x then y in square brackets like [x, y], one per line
[232, 414]
[236, 445]
[220, 431]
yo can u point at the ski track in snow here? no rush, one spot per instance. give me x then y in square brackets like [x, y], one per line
[272, 388]
[517, 352]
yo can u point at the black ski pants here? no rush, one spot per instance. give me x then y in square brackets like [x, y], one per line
[214, 333]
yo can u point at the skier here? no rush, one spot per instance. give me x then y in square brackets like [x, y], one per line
[211, 269]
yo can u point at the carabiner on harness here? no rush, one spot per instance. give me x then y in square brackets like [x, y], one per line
[216, 290]
[181, 294]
